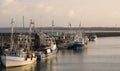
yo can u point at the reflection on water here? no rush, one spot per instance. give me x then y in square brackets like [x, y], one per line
[46, 65]
[101, 55]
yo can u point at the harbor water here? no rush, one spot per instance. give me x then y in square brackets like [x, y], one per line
[101, 55]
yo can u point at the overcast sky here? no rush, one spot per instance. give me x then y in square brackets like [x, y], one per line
[91, 13]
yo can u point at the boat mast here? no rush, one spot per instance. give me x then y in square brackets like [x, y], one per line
[23, 25]
[1, 46]
[80, 29]
[69, 33]
[69, 26]
[30, 28]
[23, 32]
[52, 26]
[12, 30]
[30, 34]
[80, 26]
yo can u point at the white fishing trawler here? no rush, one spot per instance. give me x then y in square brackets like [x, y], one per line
[47, 47]
[78, 42]
[79, 39]
[16, 56]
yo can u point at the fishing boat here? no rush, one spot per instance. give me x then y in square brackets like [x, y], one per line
[47, 47]
[77, 45]
[68, 43]
[49, 50]
[78, 42]
[93, 37]
[16, 56]
[46, 44]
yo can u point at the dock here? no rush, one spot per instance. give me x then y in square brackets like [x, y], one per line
[99, 31]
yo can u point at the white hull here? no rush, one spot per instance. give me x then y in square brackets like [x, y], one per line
[68, 43]
[49, 55]
[14, 61]
[42, 56]
[94, 39]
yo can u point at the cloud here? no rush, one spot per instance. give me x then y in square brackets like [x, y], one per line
[49, 9]
[71, 13]
[7, 2]
[101, 11]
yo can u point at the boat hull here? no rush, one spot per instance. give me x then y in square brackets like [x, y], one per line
[42, 56]
[93, 38]
[14, 61]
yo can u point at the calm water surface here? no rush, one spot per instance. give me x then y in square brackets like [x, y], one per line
[101, 55]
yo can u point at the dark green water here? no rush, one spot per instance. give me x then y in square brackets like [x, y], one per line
[101, 55]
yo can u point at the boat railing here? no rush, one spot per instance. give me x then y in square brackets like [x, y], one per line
[19, 53]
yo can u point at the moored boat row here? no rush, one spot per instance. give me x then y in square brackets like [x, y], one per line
[27, 48]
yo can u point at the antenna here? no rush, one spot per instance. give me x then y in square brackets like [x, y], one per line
[69, 26]
[52, 26]
[80, 32]
[80, 26]
[23, 23]
[12, 28]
